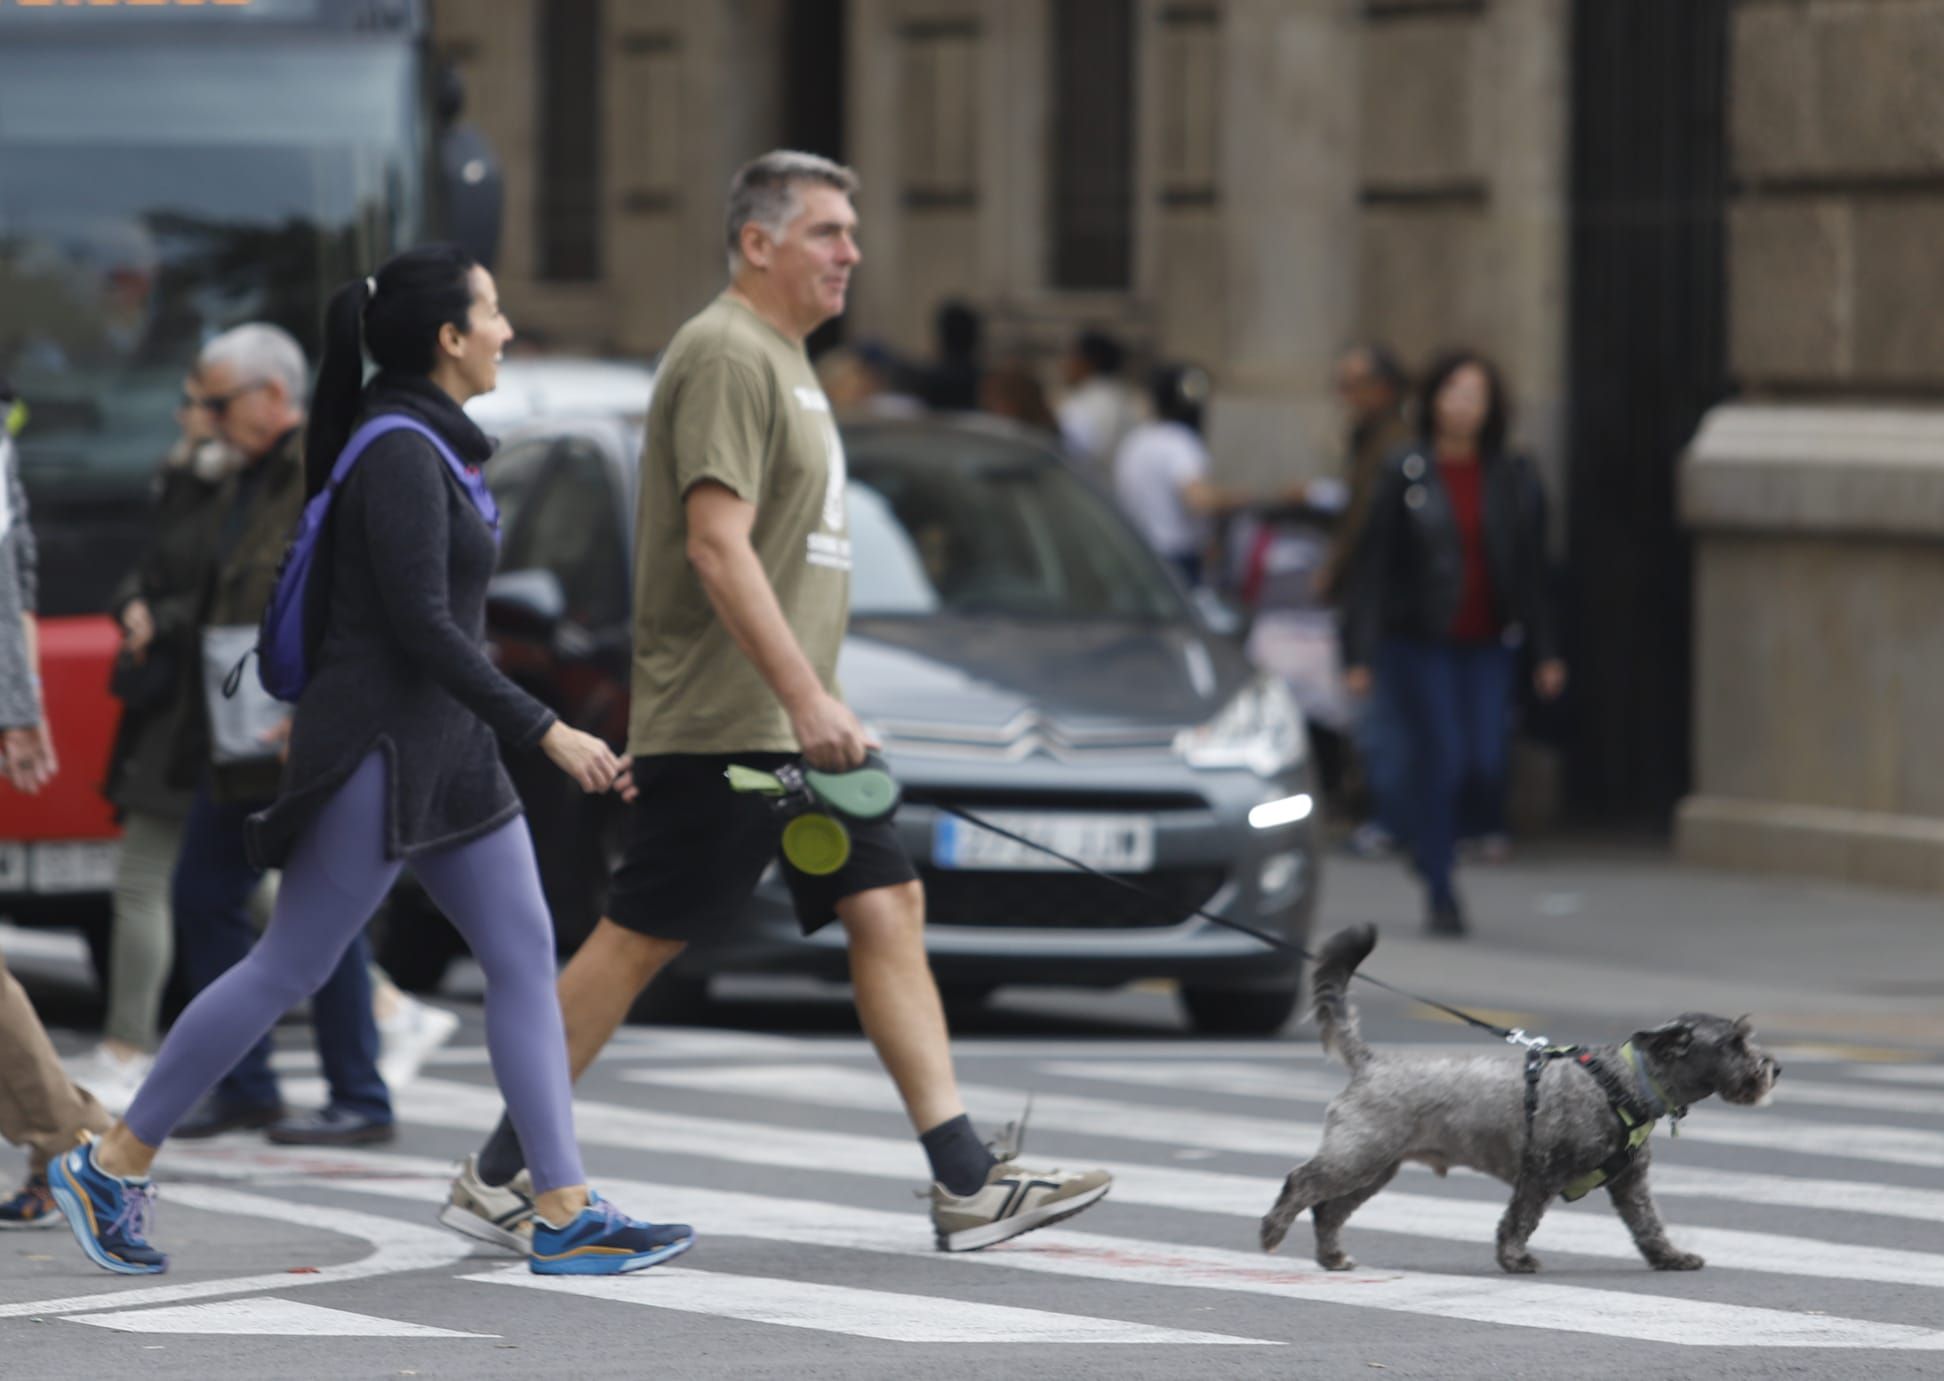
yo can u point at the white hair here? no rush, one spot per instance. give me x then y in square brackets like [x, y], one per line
[768, 192]
[261, 353]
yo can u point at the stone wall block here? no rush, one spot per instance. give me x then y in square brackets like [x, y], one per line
[1789, 289]
[1900, 289]
[1421, 100]
[1836, 87]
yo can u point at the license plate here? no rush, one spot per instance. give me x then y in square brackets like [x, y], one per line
[88, 867]
[1111, 843]
[13, 867]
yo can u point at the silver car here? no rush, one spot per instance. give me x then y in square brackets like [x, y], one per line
[1022, 656]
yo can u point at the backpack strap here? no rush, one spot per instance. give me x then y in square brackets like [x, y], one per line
[468, 476]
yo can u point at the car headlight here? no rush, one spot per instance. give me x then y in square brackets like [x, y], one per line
[1261, 729]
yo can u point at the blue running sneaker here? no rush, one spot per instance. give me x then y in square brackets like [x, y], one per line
[604, 1241]
[110, 1216]
[32, 1206]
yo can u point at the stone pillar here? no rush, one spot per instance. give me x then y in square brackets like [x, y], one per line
[1288, 233]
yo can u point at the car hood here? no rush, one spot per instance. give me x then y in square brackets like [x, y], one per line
[1087, 681]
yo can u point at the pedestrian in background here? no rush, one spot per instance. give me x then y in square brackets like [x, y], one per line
[1011, 389]
[147, 783]
[252, 382]
[41, 1108]
[393, 759]
[951, 382]
[1371, 386]
[1449, 579]
[1161, 473]
[1100, 407]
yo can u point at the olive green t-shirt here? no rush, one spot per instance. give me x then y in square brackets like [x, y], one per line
[736, 403]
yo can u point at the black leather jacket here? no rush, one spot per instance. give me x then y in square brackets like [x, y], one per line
[1408, 573]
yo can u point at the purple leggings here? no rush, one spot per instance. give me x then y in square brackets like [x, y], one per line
[336, 875]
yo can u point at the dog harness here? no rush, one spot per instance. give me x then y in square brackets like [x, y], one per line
[1636, 1119]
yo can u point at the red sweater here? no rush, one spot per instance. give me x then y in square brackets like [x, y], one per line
[1476, 620]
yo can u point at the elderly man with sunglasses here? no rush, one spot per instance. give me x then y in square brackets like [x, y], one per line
[252, 383]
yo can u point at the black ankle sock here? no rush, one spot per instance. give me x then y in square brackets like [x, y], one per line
[959, 1160]
[501, 1158]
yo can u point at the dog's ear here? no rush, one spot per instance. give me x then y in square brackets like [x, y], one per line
[1669, 1042]
[1743, 1026]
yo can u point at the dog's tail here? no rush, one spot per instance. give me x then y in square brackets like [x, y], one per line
[1330, 1003]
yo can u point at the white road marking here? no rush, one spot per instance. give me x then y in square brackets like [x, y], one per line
[1710, 1123]
[845, 1087]
[400, 1247]
[1901, 1074]
[1484, 1298]
[898, 1318]
[260, 1317]
[1588, 1230]
[839, 1086]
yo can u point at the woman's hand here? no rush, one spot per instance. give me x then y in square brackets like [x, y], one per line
[1357, 680]
[138, 628]
[30, 758]
[1549, 678]
[585, 758]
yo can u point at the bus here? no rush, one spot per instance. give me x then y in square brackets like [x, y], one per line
[170, 168]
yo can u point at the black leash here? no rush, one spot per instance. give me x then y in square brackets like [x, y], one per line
[1515, 1035]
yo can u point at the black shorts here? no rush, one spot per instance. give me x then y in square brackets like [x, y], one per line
[696, 850]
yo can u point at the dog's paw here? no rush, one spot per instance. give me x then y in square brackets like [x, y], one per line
[1679, 1261]
[1273, 1232]
[1524, 1264]
[1336, 1261]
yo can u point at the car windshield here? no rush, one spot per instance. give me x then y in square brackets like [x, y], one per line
[956, 523]
[152, 195]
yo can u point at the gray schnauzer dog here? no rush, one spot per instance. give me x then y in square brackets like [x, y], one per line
[1443, 1111]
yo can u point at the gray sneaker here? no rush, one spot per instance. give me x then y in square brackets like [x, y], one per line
[499, 1214]
[1016, 1199]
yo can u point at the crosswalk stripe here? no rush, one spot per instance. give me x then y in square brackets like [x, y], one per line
[841, 1086]
[274, 1317]
[1256, 1079]
[399, 1247]
[898, 1318]
[845, 1087]
[1709, 1123]
[1586, 1231]
[1901, 1074]
[1064, 1251]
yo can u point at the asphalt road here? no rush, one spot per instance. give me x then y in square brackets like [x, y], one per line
[776, 1135]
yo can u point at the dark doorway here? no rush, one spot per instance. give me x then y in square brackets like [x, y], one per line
[1647, 359]
[815, 33]
[813, 83]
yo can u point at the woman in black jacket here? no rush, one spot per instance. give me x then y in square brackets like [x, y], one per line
[393, 760]
[1449, 582]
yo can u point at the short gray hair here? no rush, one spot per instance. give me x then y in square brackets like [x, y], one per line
[765, 192]
[260, 353]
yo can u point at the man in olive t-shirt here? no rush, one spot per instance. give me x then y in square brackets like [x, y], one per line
[742, 593]
[737, 405]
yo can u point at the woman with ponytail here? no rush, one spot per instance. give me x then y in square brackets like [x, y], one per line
[393, 763]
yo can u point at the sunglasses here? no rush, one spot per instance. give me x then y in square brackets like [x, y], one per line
[216, 404]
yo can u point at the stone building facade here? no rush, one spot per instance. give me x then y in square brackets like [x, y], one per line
[1817, 505]
[1253, 183]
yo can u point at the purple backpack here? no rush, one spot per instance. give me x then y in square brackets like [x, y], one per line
[284, 641]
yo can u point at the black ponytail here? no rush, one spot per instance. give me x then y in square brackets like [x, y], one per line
[396, 315]
[340, 379]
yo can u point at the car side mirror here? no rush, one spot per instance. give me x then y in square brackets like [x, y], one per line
[530, 603]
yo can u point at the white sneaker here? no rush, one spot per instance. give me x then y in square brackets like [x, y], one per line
[1015, 1199]
[112, 1079]
[413, 1031]
[499, 1214]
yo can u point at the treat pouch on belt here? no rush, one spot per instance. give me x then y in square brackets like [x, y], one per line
[818, 805]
